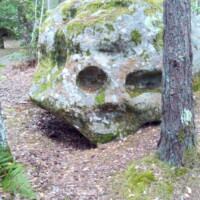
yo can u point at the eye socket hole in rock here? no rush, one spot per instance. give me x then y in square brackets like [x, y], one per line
[91, 79]
[144, 80]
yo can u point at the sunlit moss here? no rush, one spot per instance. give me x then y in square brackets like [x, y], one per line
[136, 92]
[83, 15]
[100, 97]
[149, 178]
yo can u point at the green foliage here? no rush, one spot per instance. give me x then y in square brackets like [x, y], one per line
[9, 15]
[16, 55]
[195, 7]
[12, 176]
[18, 17]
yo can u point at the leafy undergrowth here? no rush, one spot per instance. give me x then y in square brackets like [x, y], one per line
[149, 178]
[12, 176]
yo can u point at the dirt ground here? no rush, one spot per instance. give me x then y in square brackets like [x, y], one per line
[60, 162]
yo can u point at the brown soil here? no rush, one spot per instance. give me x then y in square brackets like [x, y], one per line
[60, 162]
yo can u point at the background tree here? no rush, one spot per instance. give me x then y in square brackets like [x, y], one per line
[177, 128]
[196, 6]
[8, 19]
[22, 18]
[3, 140]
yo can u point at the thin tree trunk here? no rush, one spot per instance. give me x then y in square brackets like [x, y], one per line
[3, 140]
[35, 23]
[26, 35]
[48, 4]
[177, 128]
[41, 14]
[1, 40]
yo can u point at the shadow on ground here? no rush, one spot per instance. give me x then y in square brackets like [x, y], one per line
[62, 132]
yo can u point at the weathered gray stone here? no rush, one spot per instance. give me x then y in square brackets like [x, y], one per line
[100, 65]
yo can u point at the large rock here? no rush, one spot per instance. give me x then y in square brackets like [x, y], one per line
[100, 65]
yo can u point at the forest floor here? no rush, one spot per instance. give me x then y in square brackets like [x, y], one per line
[60, 162]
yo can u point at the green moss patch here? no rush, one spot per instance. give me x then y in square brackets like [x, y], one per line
[109, 12]
[104, 138]
[59, 53]
[158, 41]
[145, 56]
[68, 11]
[149, 178]
[45, 25]
[136, 37]
[136, 92]
[88, 53]
[110, 27]
[44, 68]
[100, 97]
[155, 6]
[196, 82]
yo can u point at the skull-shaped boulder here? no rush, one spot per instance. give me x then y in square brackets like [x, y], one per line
[100, 66]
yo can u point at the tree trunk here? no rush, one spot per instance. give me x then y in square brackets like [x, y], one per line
[3, 140]
[28, 24]
[33, 38]
[1, 40]
[41, 13]
[177, 128]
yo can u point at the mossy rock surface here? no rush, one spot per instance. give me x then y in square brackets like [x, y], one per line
[100, 65]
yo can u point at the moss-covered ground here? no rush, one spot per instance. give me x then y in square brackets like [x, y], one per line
[149, 178]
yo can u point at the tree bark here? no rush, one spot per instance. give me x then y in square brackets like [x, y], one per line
[1, 40]
[26, 35]
[177, 128]
[3, 139]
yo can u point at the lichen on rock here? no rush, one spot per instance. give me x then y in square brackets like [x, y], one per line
[100, 65]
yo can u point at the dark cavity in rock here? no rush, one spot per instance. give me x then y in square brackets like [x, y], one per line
[144, 80]
[91, 79]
